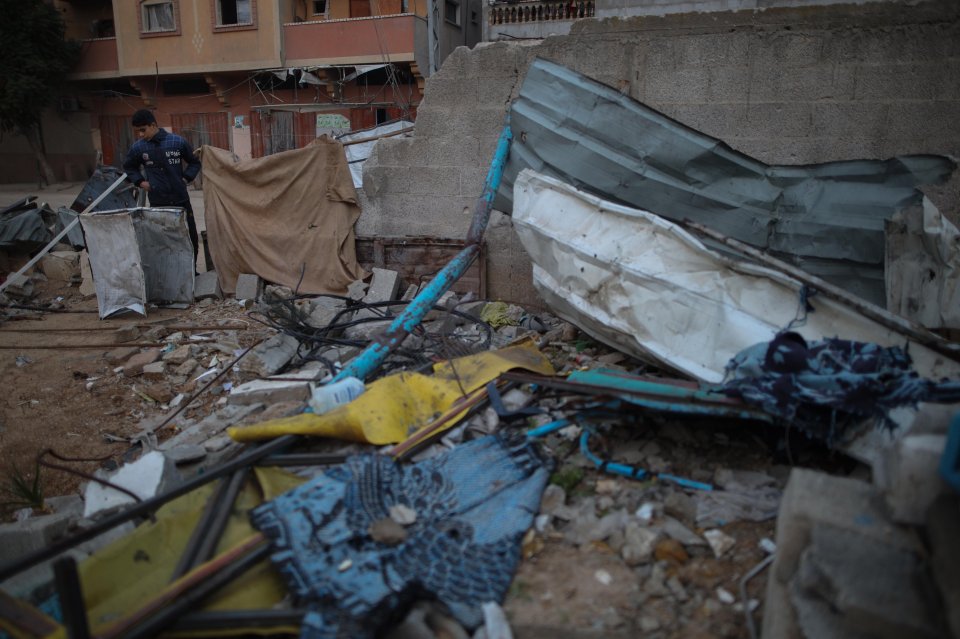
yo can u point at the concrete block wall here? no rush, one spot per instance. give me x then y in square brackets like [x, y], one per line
[785, 85]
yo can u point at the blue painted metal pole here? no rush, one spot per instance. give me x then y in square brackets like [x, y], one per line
[373, 356]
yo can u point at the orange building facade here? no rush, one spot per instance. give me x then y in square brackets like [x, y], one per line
[252, 76]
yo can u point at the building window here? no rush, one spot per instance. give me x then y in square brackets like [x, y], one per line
[231, 13]
[319, 8]
[451, 11]
[158, 16]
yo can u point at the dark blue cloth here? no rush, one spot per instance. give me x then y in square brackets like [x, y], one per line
[160, 161]
[825, 386]
[473, 506]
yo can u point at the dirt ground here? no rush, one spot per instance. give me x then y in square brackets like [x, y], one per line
[67, 397]
[61, 392]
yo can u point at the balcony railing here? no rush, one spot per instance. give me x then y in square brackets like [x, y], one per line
[540, 12]
[98, 58]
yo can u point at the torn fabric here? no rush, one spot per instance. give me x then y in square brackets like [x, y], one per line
[396, 406]
[645, 286]
[823, 387]
[826, 218]
[287, 217]
[472, 505]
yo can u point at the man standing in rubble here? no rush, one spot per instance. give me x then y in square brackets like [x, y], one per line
[162, 164]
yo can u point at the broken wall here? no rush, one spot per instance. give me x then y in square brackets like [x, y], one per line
[787, 86]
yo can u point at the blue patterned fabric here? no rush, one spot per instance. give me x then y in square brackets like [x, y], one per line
[825, 386]
[473, 506]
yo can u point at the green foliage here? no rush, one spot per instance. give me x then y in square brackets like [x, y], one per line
[23, 491]
[34, 61]
[567, 477]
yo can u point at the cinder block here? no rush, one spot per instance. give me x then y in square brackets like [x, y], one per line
[249, 287]
[269, 356]
[21, 538]
[384, 286]
[207, 285]
[269, 392]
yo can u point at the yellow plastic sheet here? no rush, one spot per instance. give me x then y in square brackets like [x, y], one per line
[395, 407]
[123, 576]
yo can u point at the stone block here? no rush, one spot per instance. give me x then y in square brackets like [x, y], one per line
[61, 266]
[186, 368]
[206, 285]
[19, 286]
[269, 356]
[249, 287]
[383, 287]
[155, 370]
[267, 391]
[135, 364]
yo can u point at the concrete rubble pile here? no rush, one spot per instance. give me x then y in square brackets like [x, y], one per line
[402, 460]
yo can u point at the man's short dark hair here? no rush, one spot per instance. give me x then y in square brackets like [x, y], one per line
[144, 117]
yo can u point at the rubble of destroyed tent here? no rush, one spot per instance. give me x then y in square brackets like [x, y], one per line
[693, 437]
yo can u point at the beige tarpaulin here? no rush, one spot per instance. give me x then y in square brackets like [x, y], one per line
[278, 215]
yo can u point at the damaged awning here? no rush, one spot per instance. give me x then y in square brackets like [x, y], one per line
[826, 218]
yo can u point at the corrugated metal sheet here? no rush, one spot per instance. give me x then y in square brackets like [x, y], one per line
[826, 218]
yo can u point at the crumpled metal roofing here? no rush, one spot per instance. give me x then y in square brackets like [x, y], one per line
[826, 218]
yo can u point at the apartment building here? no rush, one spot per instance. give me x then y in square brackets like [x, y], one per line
[252, 76]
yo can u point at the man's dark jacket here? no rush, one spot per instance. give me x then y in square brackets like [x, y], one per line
[146, 161]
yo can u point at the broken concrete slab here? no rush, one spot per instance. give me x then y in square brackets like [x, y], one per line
[187, 367]
[210, 426]
[134, 365]
[207, 286]
[814, 499]
[249, 287]
[270, 356]
[861, 584]
[19, 287]
[269, 392]
[146, 477]
[185, 454]
[320, 311]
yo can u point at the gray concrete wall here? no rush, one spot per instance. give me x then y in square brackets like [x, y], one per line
[789, 86]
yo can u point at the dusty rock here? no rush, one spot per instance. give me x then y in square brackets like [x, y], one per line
[187, 367]
[639, 543]
[180, 354]
[554, 497]
[155, 370]
[719, 541]
[120, 355]
[135, 364]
